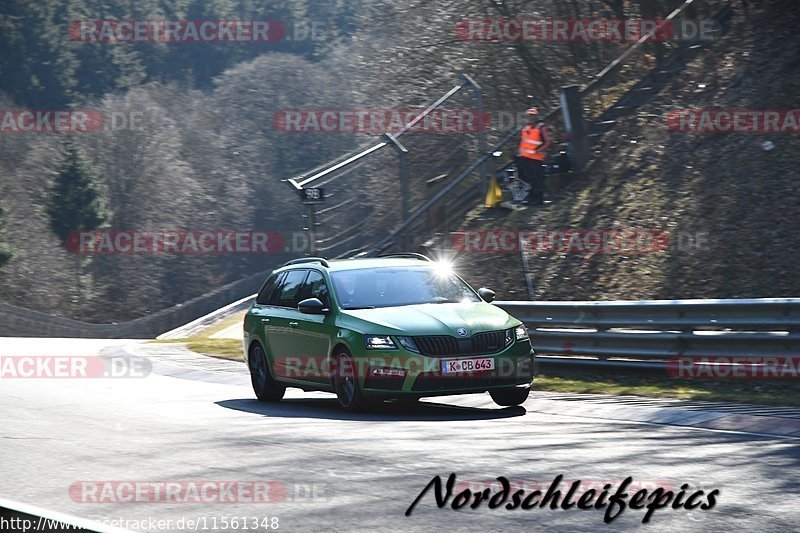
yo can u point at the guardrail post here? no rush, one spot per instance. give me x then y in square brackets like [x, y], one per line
[523, 252]
[402, 154]
[572, 109]
[596, 318]
[311, 228]
[481, 128]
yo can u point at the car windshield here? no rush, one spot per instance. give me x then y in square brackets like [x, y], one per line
[389, 287]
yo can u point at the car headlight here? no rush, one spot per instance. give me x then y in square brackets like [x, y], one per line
[519, 333]
[379, 342]
[408, 344]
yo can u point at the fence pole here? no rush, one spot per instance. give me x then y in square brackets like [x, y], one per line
[312, 229]
[572, 109]
[481, 127]
[402, 155]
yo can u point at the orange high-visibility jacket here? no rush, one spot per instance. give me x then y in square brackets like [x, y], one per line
[532, 140]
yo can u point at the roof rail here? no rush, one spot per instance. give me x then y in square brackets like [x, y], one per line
[321, 260]
[409, 255]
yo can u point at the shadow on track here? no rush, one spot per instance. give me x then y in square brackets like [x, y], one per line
[329, 409]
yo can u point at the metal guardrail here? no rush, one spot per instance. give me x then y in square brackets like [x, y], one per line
[342, 235]
[309, 178]
[646, 334]
[21, 322]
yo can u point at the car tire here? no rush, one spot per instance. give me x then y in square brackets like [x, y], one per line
[345, 383]
[510, 397]
[264, 385]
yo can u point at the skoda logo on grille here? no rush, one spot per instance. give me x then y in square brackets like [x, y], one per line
[462, 332]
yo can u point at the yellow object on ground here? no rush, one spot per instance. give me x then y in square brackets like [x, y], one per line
[494, 195]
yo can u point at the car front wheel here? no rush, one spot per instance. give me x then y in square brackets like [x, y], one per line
[264, 385]
[345, 383]
[510, 397]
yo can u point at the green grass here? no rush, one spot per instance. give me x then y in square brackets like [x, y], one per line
[221, 348]
[786, 392]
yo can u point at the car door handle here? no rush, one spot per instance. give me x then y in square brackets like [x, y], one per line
[265, 320]
[294, 324]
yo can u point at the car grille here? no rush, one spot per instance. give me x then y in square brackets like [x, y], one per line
[479, 344]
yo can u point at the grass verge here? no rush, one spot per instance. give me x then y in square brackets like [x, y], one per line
[785, 392]
[222, 348]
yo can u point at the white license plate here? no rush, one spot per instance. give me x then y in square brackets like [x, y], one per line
[467, 365]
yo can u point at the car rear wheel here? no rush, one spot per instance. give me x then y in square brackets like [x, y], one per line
[345, 383]
[510, 397]
[265, 387]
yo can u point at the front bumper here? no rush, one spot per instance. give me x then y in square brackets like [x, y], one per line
[391, 373]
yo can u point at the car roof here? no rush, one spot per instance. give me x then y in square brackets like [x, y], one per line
[337, 265]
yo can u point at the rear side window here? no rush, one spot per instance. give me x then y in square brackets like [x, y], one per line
[269, 286]
[289, 291]
[315, 287]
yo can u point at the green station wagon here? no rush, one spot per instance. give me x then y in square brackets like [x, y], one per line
[398, 327]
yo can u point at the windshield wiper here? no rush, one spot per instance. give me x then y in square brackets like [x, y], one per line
[357, 308]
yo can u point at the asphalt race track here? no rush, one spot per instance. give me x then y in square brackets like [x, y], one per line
[196, 419]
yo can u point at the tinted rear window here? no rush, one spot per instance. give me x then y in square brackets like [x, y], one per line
[287, 294]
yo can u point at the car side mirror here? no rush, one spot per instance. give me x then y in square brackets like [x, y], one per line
[312, 306]
[487, 295]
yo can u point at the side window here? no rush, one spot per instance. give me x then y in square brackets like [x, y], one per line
[286, 295]
[315, 287]
[269, 286]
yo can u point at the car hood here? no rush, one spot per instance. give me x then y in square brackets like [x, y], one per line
[429, 319]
